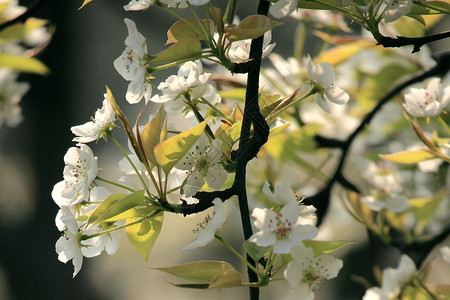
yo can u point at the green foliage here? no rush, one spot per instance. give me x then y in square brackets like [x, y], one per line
[217, 274]
[143, 235]
[408, 156]
[170, 151]
[151, 135]
[188, 29]
[115, 205]
[256, 252]
[327, 5]
[20, 30]
[22, 64]
[325, 247]
[430, 8]
[187, 49]
[250, 28]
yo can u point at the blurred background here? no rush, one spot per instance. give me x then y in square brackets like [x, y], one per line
[80, 56]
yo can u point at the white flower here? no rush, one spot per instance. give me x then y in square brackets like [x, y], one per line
[189, 77]
[132, 67]
[395, 9]
[138, 5]
[207, 229]
[240, 50]
[91, 131]
[427, 102]
[79, 172]
[11, 92]
[203, 163]
[283, 8]
[305, 271]
[323, 18]
[70, 245]
[284, 195]
[322, 79]
[445, 252]
[281, 230]
[384, 188]
[393, 280]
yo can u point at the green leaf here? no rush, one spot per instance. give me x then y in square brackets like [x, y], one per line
[415, 293]
[115, 205]
[267, 103]
[359, 2]
[236, 94]
[150, 136]
[312, 5]
[20, 30]
[408, 157]
[217, 273]
[137, 212]
[250, 28]
[188, 29]
[430, 8]
[143, 235]
[324, 247]
[256, 252]
[216, 16]
[170, 151]
[424, 208]
[188, 49]
[22, 64]
[126, 125]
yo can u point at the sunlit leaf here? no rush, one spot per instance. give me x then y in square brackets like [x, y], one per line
[188, 29]
[415, 293]
[256, 252]
[342, 53]
[408, 156]
[228, 280]
[20, 30]
[430, 7]
[236, 94]
[115, 205]
[170, 151]
[144, 234]
[203, 271]
[150, 136]
[84, 3]
[328, 5]
[250, 28]
[22, 64]
[424, 208]
[188, 49]
[324, 247]
[267, 103]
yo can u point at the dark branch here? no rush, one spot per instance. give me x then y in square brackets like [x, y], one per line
[417, 42]
[245, 67]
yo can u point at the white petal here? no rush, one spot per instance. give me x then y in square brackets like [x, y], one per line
[194, 183]
[337, 95]
[293, 274]
[135, 90]
[138, 5]
[216, 176]
[219, 216]
[284, 194]
[268, 193]
[263, 238]
[445, 252]
[322, 101]
[283, 8]
[328, 266]
[303, 232]
[323, 74]
[302, 292]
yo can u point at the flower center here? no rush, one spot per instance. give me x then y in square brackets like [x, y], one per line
[281, 226]
[202, 225]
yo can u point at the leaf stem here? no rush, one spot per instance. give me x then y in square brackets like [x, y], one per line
[115, 183]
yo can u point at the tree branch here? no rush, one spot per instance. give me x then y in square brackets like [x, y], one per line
[417, 42]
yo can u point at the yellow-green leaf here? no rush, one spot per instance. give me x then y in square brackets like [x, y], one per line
[236, 94]
[150, 136]
[312, 5]
[408, 157]
[267, 103]
[19, 30]
[115, 205]
[144, 234]
[215, 272]
[22, 64]
[188, 49]
[188, 29]
[216, 16]
[324, 247]
[230, 279]
[430, 7]
[84, 3]
[250, 28]
[170, 151]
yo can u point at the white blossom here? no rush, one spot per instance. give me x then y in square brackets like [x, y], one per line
[206, 230]
[305, 271]
[322, 79]
[445, 252]
[11, 92]
[393, 280]
[323, 18]
[427, 102]
[282, 230]
[203, 164]
[91, 131]
[395, 9]
[385, 190]
[240, 50]
[138, 5]
[79, 172]
[189, 79]
[131, 65]
[282, 8]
